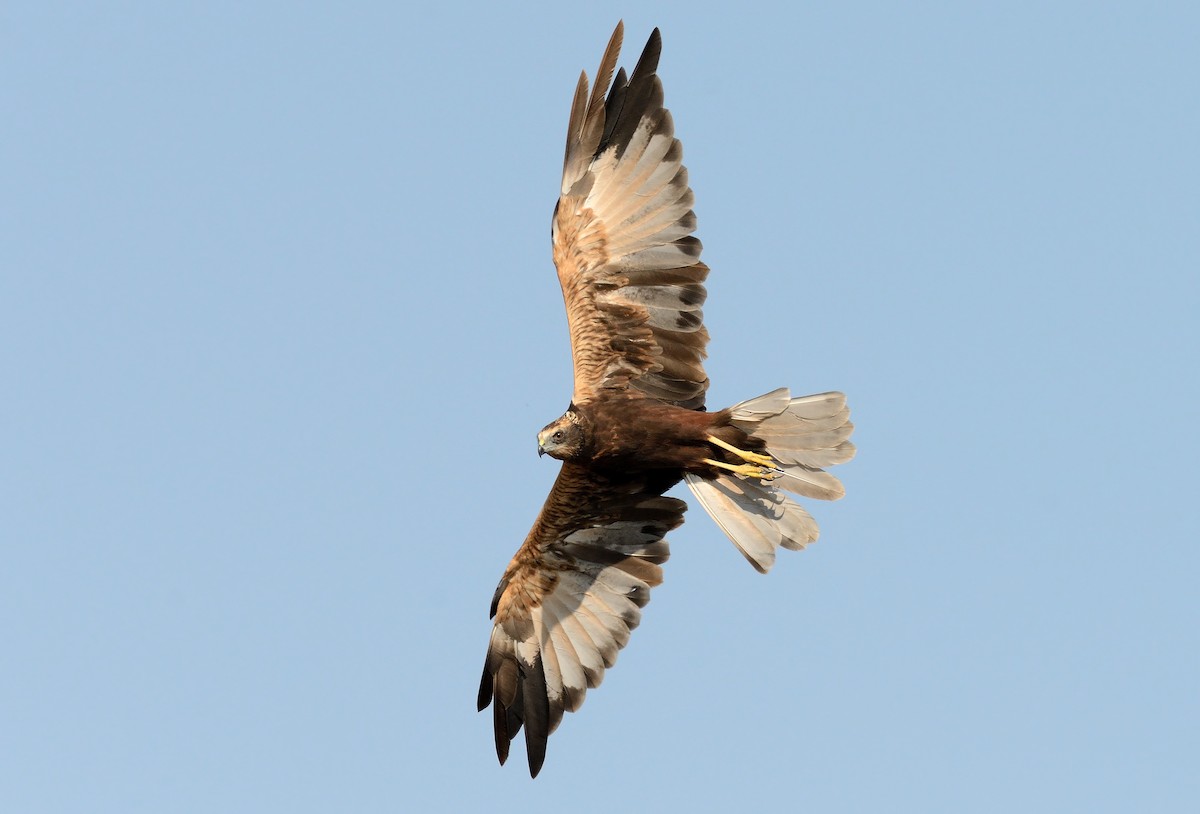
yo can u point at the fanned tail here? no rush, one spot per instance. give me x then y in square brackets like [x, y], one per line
[802, 435]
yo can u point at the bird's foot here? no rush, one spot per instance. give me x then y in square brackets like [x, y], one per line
[749, 470]
[750, 457]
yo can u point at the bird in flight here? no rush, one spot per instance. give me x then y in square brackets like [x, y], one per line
[633, 285]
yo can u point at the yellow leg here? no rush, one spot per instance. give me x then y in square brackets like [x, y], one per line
[752, 457]
[749, 470]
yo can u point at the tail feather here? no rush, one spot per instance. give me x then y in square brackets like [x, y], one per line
[756, 409]
[757, 518]
[808, 482]
[802, 435]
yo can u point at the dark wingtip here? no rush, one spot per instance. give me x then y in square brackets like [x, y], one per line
[485, 690]
[648, 61]
[500, 727]
[536, 749]
[536, 705]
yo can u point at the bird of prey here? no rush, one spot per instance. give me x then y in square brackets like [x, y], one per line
[633, 285]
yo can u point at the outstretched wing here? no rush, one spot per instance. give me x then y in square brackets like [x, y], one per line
[569, 599]
[629, 268]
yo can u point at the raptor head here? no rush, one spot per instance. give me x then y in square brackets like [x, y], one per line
[562, 438]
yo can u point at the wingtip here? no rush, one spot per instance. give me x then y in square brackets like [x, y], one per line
[500, 731]
[652, 51]
[534, 769]
[484, 697]
[535, 750]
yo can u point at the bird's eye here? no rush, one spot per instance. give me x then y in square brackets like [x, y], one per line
[558, 435]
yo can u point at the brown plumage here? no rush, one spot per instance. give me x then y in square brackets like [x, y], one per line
[633, 286]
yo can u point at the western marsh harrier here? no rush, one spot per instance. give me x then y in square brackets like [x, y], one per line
[633, 285]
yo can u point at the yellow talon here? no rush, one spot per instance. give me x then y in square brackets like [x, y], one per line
[752, 457]
[748, 470]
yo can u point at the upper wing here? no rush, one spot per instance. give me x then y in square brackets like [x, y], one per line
[629, 268]
[569, 599]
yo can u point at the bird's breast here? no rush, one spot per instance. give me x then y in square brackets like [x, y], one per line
[643, 434]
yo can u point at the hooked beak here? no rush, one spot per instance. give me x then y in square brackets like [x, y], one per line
[541, 449]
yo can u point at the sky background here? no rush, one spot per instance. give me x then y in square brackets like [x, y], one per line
[278, 325]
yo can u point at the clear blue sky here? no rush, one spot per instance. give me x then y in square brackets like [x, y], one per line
[278, 325]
